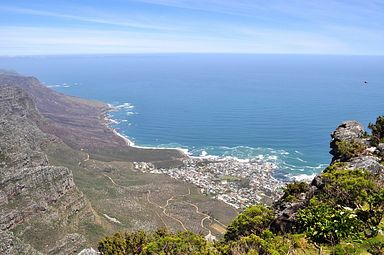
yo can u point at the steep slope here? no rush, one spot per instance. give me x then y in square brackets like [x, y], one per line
[38, 201]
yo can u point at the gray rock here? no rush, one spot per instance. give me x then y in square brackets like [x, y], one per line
[31, 189]
[380, 147]
[369, 163]
[11, 245]
[380, 150]
[88, 251]
[347, 131]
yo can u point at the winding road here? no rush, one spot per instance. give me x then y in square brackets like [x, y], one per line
[165, 209]
[168, 203]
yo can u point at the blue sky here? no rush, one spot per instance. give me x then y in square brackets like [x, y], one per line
[203, 26]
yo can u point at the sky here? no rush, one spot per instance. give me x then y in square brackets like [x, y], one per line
[40, 27]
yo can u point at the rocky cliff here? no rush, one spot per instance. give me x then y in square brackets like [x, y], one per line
[351, 148]
[35, 196]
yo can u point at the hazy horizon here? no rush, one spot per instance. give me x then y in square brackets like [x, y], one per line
[168, 26]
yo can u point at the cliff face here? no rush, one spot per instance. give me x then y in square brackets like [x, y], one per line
[33, 193]
[361, 153]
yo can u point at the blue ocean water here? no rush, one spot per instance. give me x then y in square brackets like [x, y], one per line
[281, 108]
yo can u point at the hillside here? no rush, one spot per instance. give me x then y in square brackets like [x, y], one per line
[34, 194]
[67, 180]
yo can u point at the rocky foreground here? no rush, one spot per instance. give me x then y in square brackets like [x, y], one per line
[352, 149]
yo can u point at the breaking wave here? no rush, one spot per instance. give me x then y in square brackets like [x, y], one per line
[286, 165]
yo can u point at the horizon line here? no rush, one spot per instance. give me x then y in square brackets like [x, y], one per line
[184, 53]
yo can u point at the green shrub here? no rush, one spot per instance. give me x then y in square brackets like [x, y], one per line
[377, 130]
[349, 188]
[181, 243]
[335, 166]
[356, 189]
[256, 245]
[254, 220]
[349, 149]
[293, 190]
[127, 243]
[159, 242]
[376, 246]
[323, 223]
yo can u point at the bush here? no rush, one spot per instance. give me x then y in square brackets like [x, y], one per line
[159, 242]
[323, 223]
[180, 243]
[293, 190]
[377, 130]
[254, 220]
[349, 149]
[356, 189]
[349, 188]
[254, 244]
[127, 243]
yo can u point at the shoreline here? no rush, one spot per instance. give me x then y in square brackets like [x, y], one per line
[108, 121]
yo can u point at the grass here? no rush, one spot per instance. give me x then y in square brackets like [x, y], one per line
[126, 197]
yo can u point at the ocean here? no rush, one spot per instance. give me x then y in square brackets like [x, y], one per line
[276, 108]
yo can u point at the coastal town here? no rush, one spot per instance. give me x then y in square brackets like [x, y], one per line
[239, 183]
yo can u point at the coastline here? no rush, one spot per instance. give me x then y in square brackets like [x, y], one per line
[236, 182]
[108, 121]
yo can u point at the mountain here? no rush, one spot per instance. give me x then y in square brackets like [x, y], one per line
[67, 179]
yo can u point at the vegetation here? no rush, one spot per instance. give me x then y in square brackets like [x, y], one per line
[254, 220]
[343, 217]
[377, 131]
[349, 149]
[293, 190]
[159, 242]
[326, 224]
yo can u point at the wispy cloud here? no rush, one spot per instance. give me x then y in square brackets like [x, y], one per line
[125, 26]
[98, 20]
[73, 41]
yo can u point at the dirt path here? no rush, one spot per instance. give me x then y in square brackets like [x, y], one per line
[114, 183]
[164, 208]
[168, 203]
[206, 216]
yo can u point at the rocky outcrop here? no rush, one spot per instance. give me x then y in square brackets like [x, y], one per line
[31, 190]
[351, 134]
[348, 132]
[11, 245]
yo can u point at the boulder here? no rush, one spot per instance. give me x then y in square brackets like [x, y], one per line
[348, 131]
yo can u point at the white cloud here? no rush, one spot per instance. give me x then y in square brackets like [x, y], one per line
[47, 40]
[267, 27]
[109, 20]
